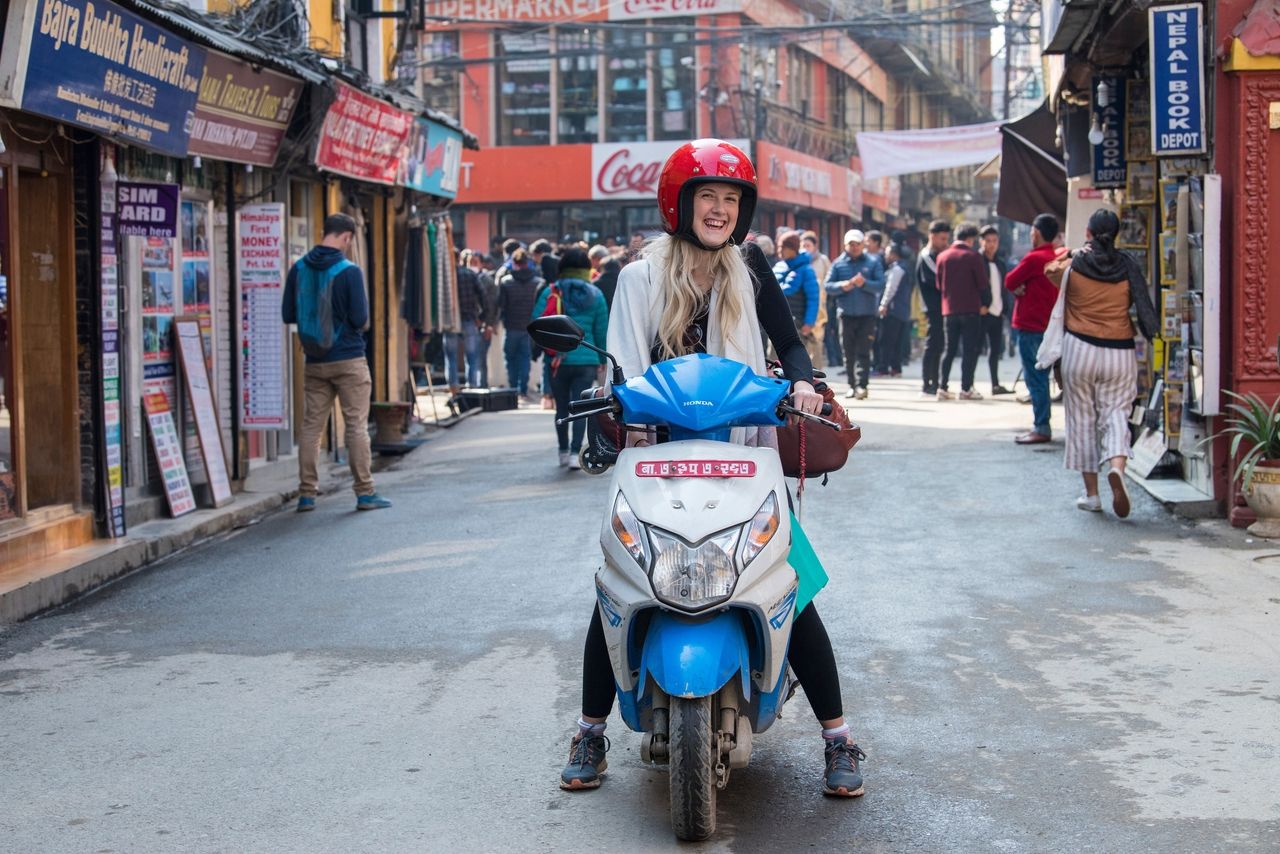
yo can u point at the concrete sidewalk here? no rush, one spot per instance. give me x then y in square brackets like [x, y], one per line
[32, 588]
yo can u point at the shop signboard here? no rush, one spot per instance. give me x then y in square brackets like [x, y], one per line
[793, 178]
[261, 247]
[435, 155]
[242, 113]
[147, 210]
[168, 451]
[630, 170]
[1177, 79]
[363, 138]
[1109, 165]
[190, 345]
[95, 65]
[574, 10]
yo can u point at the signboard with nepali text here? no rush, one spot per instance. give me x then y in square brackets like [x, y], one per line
[363, 138]
[1177, 79]
[95, 65]
[242, 113]
[261, 245]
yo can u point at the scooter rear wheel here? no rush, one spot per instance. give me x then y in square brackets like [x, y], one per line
[691, 745]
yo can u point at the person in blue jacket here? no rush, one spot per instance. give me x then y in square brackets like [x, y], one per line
[856, 279]
[573, 373]
[799, 284]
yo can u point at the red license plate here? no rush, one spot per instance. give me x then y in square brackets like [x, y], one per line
[696, 468]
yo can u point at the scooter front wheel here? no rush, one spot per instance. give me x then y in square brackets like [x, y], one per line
[692, 766]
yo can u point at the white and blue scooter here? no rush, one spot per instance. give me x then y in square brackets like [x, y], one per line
[696, 593]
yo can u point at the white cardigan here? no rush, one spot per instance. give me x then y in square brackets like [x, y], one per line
[636, 314]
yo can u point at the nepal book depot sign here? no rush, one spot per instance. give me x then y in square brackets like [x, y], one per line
[1177, 79]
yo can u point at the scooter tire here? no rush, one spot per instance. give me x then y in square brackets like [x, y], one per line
[692, 768]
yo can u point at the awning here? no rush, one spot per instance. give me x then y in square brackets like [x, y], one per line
[1033, 178]
[1077, 18]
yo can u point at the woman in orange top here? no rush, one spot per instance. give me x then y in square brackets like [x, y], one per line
[1099, 372]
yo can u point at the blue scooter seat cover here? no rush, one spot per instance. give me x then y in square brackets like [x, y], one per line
[810, 575]
[695, 656]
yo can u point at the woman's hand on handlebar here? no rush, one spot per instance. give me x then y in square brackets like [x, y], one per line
[805, 398]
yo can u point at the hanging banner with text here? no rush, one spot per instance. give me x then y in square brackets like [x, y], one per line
[435, 155]
[109, 322]
[1177, 79]
[95, 65]
[147, 210]
[242, 114]
[363, 137]
[261, 254]
[1109, 165]
[907, 152]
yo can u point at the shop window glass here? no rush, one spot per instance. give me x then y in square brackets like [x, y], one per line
[578, 62]
[674, 82]
[524, 87]
[530, 224]
[626, 85]
[440, 82]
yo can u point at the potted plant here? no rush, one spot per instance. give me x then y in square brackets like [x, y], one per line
[1254, 426]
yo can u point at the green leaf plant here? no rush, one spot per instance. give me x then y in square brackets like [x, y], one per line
[1254, 425]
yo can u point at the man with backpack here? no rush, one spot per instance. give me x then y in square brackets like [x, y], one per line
[324, 295]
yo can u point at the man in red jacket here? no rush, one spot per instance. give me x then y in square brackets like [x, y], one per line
[1036, 295]
[966, 293]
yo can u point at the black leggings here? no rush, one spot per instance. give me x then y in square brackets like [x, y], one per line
[810, 657]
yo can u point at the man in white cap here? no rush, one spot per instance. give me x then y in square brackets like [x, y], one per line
[856, 279]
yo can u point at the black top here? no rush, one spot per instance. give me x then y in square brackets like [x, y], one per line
[773, 314]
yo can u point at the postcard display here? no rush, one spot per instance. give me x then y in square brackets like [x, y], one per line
[1163, 228]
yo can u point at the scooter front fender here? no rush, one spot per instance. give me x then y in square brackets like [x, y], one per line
[695, 656]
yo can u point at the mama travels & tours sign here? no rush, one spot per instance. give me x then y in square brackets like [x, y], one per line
[93, 64]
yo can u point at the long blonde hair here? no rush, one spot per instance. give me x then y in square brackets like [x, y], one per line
[671, 261]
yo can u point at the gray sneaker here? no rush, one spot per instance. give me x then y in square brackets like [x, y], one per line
[586, 763]
[843, 778]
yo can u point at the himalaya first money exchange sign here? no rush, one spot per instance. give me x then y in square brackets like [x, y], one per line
[1177, 79]
[93, 64]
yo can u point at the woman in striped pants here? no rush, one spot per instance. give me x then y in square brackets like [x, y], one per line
[1099, 372]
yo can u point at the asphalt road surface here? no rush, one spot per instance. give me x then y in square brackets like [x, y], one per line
[1023, 676]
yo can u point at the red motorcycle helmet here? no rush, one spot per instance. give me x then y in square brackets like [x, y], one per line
[704, 161]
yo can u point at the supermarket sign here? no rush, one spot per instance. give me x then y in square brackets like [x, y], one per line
[450, 12]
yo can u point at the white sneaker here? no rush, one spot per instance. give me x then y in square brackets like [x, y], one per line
[574, 463]
[943, 394]
[971, 394]
[564, 459]
[860, 392]
[1091, 503]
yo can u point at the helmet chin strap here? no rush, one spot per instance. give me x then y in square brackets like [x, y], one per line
[689, 237]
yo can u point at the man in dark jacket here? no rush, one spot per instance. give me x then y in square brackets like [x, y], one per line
[605, 269]
[516, 296]
[857, 281]
[993, 325]
[342, 372]
[895, 312]
[927, 281]
[965, 287]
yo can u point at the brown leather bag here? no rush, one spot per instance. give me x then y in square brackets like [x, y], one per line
[825, 450]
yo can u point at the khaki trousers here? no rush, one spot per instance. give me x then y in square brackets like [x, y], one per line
[350, 382]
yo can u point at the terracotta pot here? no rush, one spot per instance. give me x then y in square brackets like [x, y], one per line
[1263, 496]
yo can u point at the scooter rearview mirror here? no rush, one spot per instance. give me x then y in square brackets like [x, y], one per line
[557, 332]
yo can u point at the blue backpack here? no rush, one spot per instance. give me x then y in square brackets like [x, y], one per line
[315, 306]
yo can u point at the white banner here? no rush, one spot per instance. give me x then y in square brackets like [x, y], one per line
[905, 152]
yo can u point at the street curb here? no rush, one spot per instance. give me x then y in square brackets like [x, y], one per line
[80, 571]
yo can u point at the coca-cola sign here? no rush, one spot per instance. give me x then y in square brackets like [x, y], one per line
[630, 170]
[628, 9]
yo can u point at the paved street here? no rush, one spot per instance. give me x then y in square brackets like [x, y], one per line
[1023, 676]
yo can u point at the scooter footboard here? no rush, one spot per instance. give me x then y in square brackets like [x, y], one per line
[695, 656]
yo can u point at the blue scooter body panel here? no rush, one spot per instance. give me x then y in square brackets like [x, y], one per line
[695, 657]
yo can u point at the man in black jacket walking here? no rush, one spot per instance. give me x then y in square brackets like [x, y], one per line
[927, 281]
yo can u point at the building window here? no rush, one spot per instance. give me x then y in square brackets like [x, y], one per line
[578, 61]
[440, 81]
[675, 75]
[524, 87]
[626, 85]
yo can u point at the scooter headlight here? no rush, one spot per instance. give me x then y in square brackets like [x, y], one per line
[692, 577]
[629, 531]
[760, 530]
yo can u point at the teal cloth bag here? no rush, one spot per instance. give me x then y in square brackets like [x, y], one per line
[804, 560]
